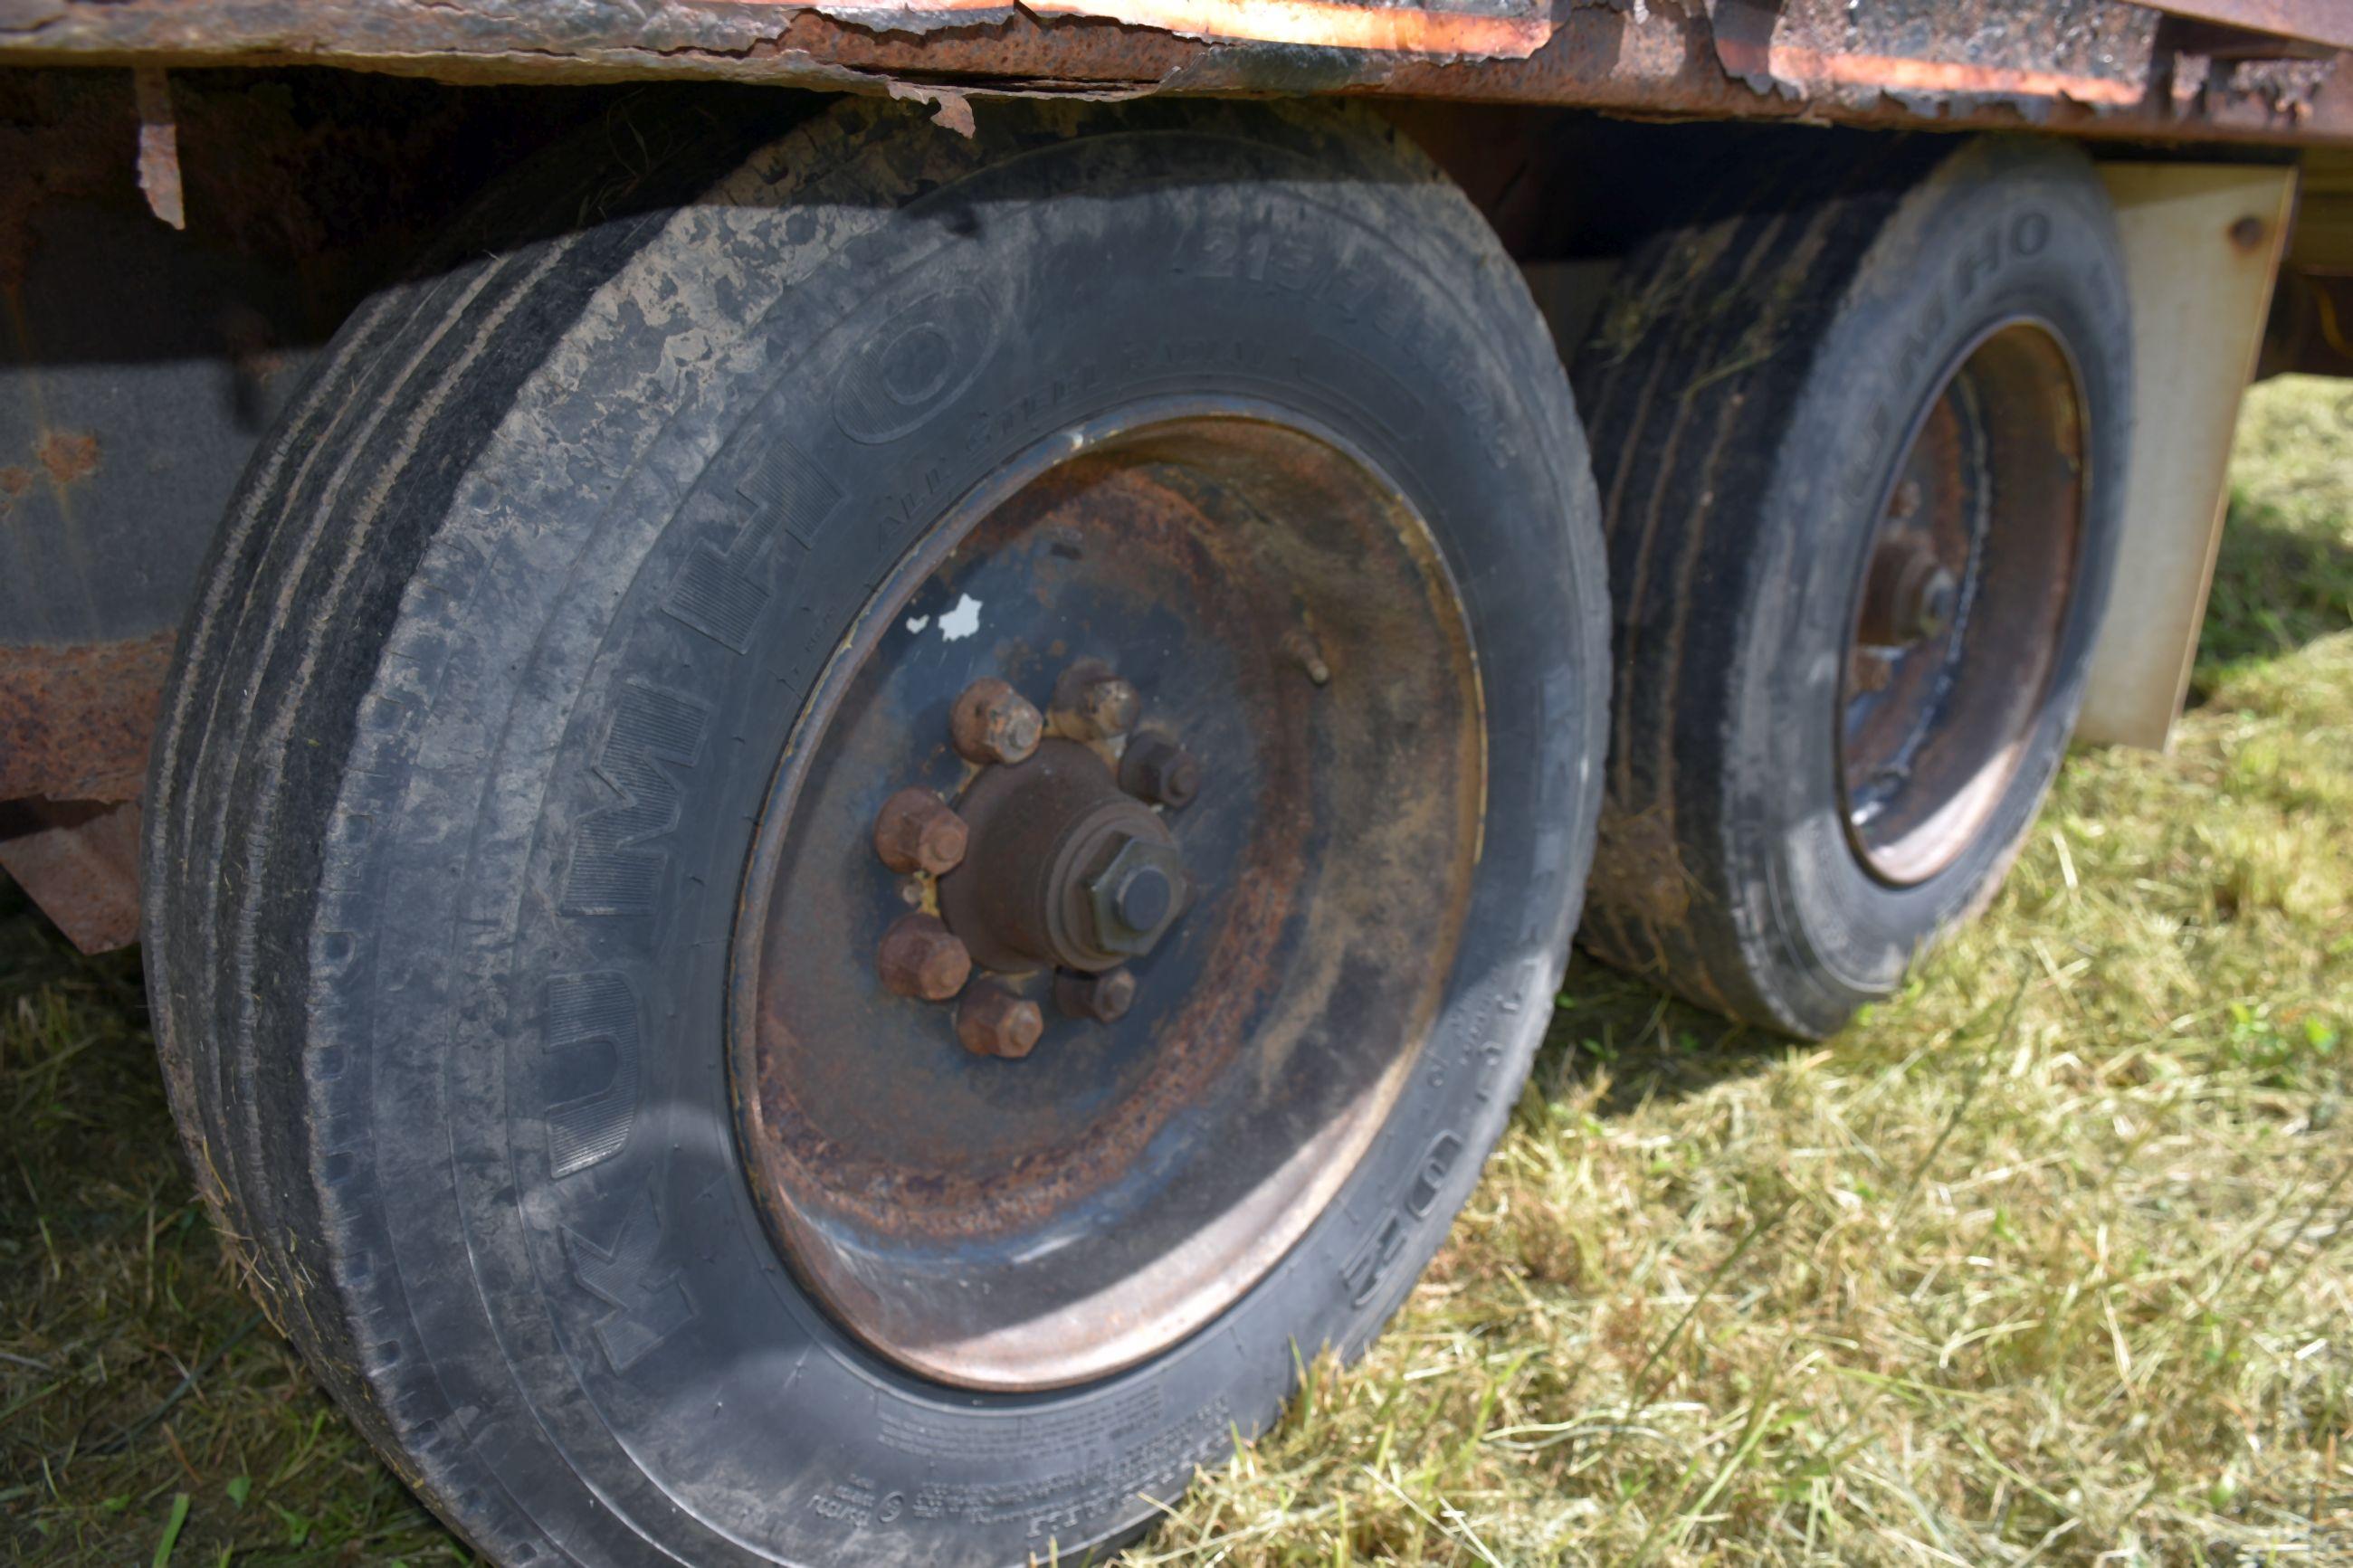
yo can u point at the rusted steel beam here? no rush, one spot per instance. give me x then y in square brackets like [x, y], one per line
[75, 720]
[2080, 67]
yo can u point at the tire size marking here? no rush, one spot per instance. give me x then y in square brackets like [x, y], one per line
[650, 1301]
[591, 1076]
[1090, 1428]
[1053, 1506]
[611, 871]
[1416, 1196]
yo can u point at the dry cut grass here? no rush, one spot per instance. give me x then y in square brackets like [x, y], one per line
[2047, 1262]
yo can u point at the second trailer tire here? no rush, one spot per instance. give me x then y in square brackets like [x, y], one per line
[1861, 441]
[610, 733]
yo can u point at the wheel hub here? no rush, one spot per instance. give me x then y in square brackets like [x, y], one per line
[1065, 868]
[1962, 604]
[1104, 896]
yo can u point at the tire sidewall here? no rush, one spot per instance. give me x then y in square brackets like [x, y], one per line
[632, 1309]
[1960, 256]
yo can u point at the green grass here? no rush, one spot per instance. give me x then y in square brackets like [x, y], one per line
[2051, 1260]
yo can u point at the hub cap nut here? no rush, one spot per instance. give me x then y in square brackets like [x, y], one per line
[1909, 598]
[993, 1022]
[1137, 897]
[991, 722]
[921, 958]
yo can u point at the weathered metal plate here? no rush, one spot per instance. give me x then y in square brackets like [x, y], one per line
[2082, 66]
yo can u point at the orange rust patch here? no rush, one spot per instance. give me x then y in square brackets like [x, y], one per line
[68, 456]
[1900, 75]
[1329, 24]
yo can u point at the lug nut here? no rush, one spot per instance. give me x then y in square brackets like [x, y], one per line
[917, 831]
[921, 958]
[1159, 770]
[993, 1022]
[1104, 997]
[1091, 704]
[994, 723]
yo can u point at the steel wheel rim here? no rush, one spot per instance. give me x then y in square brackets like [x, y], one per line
[1961, 606]
[1097, 1220]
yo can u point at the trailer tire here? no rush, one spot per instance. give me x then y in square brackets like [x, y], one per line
[1799, 801]
[501, 663]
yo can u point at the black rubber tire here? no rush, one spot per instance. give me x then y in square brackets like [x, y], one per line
[1748, 388]
[432, 645]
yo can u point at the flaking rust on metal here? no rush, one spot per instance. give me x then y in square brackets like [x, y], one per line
[1511, 31]
[2078, 67]
[949, 107]
[1937, 57]
[159, 146]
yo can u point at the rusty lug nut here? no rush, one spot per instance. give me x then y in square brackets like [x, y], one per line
[921, 958]
[917, 831]
[994, 723]
[1159, 769]
[993, 1022]
[1104, 997]
[1093, 704]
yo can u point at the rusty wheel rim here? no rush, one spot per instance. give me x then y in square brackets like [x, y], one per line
[1962, 602]
[1069, 1165]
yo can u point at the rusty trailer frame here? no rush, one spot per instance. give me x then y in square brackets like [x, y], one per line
[2258, 80]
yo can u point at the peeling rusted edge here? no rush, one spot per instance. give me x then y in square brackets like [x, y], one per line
[1319, 24]
[76, 719]
[1662, 61]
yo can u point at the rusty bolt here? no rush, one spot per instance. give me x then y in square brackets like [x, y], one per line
[993, 1022]
[1159, 769]
[1299, 646]
[1137, 895]
[1104, 997]
[994, 723]
[917, 831]
[2248, 232]
[921, 958]
[1093, 704]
